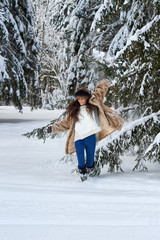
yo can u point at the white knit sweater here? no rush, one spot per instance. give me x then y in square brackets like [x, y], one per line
[87, 124]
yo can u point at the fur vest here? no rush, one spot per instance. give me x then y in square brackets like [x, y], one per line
[109, 120]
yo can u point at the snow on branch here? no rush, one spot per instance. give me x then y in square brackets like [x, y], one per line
[136, 136]
[3, 72]
[106, 6]
[41, 133]
[154, 149]
[131, 38]
[16, 35]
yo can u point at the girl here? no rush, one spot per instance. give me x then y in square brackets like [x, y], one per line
[88, 120]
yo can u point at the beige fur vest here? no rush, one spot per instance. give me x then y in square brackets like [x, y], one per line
[109, 120]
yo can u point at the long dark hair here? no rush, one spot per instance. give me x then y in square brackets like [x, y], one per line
[74, 107]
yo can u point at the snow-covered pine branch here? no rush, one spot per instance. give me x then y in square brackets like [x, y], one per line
[153, 151]
[41, 133]
[138, 137]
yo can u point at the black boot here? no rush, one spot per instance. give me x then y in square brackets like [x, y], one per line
[83, 174]
[91, 170]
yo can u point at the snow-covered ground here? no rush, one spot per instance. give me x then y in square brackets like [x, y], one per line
[40, 199]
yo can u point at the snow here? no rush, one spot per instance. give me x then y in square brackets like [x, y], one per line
[127, 129]
[98, 54]
[17, 36]
[41, 199]
[106, 6]
[126, 1]
[3, 73]
[124, 37]
[156, 141]
[131, 38]
[141, 92]
[4, 31]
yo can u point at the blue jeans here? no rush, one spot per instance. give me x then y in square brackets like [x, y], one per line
[88, 143]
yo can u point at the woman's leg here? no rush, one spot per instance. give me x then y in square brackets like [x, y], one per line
[79, 145]
[90, 144]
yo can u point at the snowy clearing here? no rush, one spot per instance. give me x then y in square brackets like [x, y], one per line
[40, 199]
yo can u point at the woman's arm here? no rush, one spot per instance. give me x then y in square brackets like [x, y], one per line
[101, 90]
[61, 126]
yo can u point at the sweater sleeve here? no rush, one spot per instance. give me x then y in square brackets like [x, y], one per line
[61, 126]
[101, 90]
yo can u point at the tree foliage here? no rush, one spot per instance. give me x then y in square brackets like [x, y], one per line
[18, 54]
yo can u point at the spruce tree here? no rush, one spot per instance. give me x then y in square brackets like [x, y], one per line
[18, 54]
[131, 63]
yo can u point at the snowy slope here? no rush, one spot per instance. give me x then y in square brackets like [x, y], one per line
[40, 199]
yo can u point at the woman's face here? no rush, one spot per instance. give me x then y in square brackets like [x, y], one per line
[82, 100]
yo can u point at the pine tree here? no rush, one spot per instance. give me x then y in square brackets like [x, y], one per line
[18, 54]
[131, 63]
